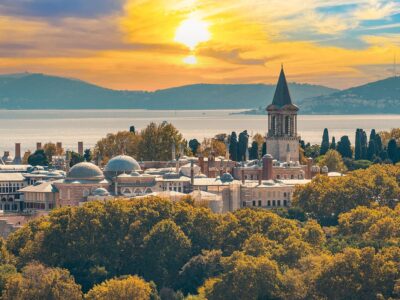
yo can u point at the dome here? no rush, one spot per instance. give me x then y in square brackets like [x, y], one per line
[315, 169]
[100, 192]
[226, 177]
[122, 163]
[85, 171]
[324, 169]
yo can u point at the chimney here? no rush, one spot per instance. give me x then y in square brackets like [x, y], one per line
[267, 167]
[260, 175]
[38, 145]
[201, 163]
[243, 179]
[17, 158]
[59, 147]
[80, 148]
[221, 168]
[191, 173]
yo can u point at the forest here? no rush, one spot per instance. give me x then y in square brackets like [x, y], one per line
[339, 240]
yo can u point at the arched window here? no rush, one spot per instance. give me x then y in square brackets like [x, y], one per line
[287, 125]
[273, 125]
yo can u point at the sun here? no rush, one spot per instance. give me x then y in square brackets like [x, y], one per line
[192, 32]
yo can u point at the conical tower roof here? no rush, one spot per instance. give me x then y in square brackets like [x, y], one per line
[282, 95]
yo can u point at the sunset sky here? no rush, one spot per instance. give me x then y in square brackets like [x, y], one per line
[148, 45]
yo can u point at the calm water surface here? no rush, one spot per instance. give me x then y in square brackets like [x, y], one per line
[71, 126]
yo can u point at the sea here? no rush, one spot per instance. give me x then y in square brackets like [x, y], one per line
[70, 126]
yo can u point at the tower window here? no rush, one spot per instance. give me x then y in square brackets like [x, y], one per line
[287, 125]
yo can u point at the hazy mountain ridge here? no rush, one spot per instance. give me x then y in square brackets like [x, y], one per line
[381, 96]
[39, 91]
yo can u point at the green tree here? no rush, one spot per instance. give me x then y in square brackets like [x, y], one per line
[333, 144]
[264, 149]
[194, 146]
[325, 142]
[74, 158]
[233, 147]
[253, 153]
[392, 151]
[195, 272]
[39, 282]
[246, 278]
[163, 265]
[124, 288]
[243, 145]
[333, 160]
[344, 147]
[38, 158]
[87, 155]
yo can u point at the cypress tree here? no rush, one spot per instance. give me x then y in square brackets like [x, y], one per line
[371, 150]
[243, 145]
[378, 144]
[333, 144]
[344, 147]
[392, 151]
[264, 149]
[364, 145]
[253, 152]
[233, 147]
[357, 150]
[325, 142]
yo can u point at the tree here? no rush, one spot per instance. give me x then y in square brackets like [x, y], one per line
[194, 146]
[253, 152]
[156, 142]
[74, 158]
[243, 145]
[50, 150]
[333, 144]
[344, 147]
[246, 278]
[195, 272]
[392, 151]
[333, 160]
[163, 266]
[264, 149]
[325, 142]
[233, 147]
[124, 288]
[39, 282]
[115, 144]
[38, 158]
[132, 129]
[87, 155]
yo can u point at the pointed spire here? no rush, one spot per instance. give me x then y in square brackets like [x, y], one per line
[282, 95]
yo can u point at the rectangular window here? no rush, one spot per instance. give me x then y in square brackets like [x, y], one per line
[269, 203]
[259, 202]
[254, 203]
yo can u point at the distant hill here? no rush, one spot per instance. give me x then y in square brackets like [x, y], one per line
[39, 91]
[382, 96]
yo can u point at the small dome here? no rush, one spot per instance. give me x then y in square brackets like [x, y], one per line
[85, 171]
[324, 169]
[100, 192]
[200, 175]
[226, 177]
[122, 163]
[135, 174]
[315, 169]
[268, 156]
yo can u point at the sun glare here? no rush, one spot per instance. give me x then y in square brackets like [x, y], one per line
[192, 32]
[190, 60]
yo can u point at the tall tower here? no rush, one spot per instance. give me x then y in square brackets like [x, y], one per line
[282, 140]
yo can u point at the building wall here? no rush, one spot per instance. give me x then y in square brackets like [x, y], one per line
[278, 146]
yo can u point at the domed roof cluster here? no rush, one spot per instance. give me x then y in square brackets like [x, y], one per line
[122, 164]
[85, 171]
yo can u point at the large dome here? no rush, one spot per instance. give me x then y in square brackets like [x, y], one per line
[85, 171]
[122, 164]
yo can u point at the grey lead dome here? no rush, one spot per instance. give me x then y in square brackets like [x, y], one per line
[85, 171]
[122, 163]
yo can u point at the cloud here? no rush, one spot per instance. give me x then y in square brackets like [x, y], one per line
[60, 8]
